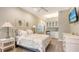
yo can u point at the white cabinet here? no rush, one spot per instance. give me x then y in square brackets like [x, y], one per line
[70, 47]
[52, 23]
[52, 27]
[54, 34]
[71, 43]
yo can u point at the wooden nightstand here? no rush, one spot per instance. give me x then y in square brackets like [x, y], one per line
[7, 43]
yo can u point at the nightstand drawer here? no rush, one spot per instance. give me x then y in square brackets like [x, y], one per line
[6, 44]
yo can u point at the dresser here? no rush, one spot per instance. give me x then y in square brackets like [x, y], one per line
[70, 43]
[6, 44]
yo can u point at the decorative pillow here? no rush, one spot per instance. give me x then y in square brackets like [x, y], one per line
[29, 31]
[22, 33]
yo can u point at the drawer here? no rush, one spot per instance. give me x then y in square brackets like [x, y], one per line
[8, 43]
[71, 47]
[72, 41]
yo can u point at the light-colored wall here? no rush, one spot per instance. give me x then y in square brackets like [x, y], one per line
[64, 26]
[67, 27]
[12, 15]
[63, 21]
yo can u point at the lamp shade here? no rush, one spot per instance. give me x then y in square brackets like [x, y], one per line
[7, 24]
[34, 26]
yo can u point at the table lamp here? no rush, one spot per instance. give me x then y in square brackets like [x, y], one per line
[7, 25]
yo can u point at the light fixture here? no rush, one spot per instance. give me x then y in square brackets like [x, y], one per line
[7, 25]
[35, 9]
[51, 15]
[34, 26]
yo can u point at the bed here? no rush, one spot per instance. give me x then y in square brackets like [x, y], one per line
[35, 42]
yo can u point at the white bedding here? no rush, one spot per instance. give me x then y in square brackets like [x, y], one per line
[36, 41]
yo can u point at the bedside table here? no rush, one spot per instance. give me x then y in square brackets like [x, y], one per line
[7, 43]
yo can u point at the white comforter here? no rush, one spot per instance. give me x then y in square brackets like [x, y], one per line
[36, 41]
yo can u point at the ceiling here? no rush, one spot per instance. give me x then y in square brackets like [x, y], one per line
[41, 11]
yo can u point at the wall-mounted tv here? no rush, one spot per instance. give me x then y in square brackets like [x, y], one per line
[73, 17]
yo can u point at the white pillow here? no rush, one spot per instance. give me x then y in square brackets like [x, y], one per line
[22, 33]
[29, 31]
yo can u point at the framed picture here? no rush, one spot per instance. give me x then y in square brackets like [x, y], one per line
[19, 22]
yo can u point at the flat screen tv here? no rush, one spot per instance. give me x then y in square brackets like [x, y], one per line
[73, 15]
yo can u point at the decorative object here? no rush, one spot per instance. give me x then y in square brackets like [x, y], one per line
[20, 23]
[7, 25]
